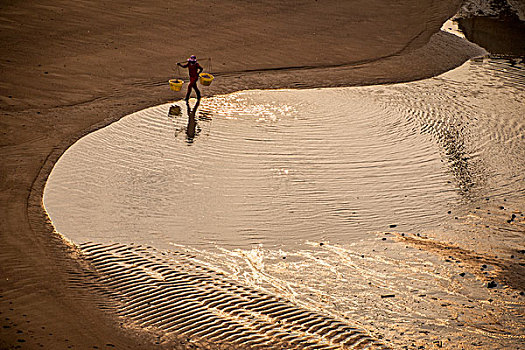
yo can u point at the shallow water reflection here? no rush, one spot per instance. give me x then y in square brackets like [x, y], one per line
[192, 129]
[282, 167]
[292, 191]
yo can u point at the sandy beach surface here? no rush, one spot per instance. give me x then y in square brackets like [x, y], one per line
[69, 68]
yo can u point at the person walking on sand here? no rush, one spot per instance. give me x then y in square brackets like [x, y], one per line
[194, 69]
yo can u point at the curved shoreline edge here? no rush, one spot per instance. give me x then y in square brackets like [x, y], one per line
[37, 263]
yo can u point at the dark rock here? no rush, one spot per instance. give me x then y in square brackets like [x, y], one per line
[393, 225]
[492, 284]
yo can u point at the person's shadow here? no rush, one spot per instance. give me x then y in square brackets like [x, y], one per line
[191, 129]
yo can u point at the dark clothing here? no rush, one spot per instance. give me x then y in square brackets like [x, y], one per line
[194, 69]
[193, 85]
[193, 81]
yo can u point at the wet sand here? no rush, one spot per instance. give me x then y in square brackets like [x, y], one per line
[71, 68]
[283, 183]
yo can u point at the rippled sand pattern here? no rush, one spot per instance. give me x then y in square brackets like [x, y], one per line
[172, 292]
[261, 167]
[398, 209]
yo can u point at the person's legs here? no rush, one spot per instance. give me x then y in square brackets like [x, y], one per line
[193, 85]
[190, 85]
[197, 91]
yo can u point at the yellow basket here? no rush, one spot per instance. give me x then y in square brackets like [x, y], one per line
[205, 78]
[176, 84]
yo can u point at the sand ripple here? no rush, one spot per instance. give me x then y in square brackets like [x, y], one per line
[441, 157]
[173, 292]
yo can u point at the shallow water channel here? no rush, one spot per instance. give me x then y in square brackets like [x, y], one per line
[310, 194]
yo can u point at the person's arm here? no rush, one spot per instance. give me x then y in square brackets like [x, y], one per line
[200, 69]
[182, 65]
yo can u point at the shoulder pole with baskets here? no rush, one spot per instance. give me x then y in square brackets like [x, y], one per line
[176, 84]
[206, 78]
